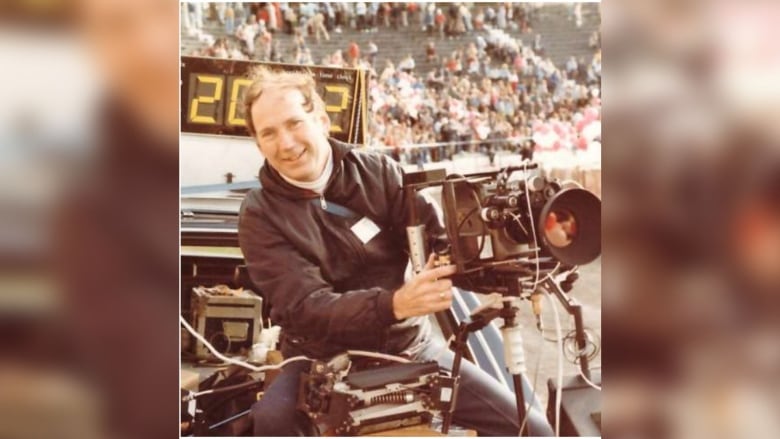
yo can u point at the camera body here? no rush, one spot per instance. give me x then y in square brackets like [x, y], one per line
[499, 231]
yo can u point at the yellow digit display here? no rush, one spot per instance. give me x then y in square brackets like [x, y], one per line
[236, 90]
[344, 91]
[206, 99]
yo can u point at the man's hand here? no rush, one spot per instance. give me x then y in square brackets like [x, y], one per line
[425, 293]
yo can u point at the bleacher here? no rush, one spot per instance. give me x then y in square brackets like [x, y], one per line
[560, 37]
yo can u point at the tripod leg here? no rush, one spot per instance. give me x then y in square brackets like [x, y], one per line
[521, 411]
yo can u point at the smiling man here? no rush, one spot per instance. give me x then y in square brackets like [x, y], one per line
[325, 243]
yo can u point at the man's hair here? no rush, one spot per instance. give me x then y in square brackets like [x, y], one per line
[264, 78]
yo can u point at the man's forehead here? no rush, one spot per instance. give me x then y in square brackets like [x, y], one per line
[278, 102]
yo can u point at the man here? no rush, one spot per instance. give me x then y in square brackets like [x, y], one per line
[336, 281]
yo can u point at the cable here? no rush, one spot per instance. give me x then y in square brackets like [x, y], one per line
[233, 360]
[531, 218]
[560, 366]
[536, 375]
[589, 382]
[380, 356]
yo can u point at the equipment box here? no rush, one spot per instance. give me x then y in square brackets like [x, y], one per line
[230, 320]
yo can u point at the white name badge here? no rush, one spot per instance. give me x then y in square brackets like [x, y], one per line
[365, 229]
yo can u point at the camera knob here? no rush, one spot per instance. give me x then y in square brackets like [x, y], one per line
[490, 214]
[535, 184]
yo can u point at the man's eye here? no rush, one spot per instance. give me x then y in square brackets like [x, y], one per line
[296, 123]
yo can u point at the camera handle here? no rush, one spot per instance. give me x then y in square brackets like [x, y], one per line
[511, 347]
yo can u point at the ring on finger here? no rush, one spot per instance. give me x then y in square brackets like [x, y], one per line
[442, 295]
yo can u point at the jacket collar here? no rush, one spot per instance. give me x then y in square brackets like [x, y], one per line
[271, 180]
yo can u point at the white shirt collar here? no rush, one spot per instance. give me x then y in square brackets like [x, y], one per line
[319, 184]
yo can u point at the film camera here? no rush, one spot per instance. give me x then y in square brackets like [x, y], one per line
[499, 230]
[509, 236]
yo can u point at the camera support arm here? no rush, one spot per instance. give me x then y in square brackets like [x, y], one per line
[575, 310]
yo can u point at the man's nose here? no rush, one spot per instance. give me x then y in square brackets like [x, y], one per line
[286, 141]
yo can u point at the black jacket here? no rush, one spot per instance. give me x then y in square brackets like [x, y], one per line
[328, 290]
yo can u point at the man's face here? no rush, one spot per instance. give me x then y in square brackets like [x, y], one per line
[294, 141]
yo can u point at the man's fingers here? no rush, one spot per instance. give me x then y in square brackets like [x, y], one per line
[430, 262]
[435, 288]
[435, 273]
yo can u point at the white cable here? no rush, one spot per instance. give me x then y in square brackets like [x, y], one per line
[548, 276]
[380, 356]
[531, 220]
[536, 375]
[589, 382]
[560, 366]
[233, 360]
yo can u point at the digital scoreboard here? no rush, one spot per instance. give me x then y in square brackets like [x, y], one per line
[212, 95]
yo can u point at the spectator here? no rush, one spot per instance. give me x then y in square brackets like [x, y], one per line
[230, 17]
[360, 13]
[218, 11]
[240, 12]
[465, 15]
[372, 16]
[428, 21]
[538, 45]
[409, 9]
[501, 17]
[385, 12]
[578, 15]
[594, 42]
[395, 14]
[430, 51]
[490, 16]
[353, 51]
[330, 16]
[571, 67]
[290, 20]
[479, 20]
[266, 40]
[276, 53]
[274, 17]
[318, 25]
[407, 64]
[247, 33]
[372, 52]
[440, 20]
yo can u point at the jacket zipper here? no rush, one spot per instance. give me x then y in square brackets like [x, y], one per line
[323, 203]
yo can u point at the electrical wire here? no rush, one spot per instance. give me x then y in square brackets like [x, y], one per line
[233, 360]
[536, 377]
[380, 356]
[560, 366]
[531, 218]
[589, 382]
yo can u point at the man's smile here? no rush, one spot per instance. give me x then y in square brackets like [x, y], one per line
[296, 157]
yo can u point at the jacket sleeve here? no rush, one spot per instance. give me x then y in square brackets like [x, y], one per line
[302, 301]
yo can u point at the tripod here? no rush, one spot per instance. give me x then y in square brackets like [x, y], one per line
[513, 345]
[479, 321]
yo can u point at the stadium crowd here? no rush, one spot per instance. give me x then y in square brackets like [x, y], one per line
[491, 94]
